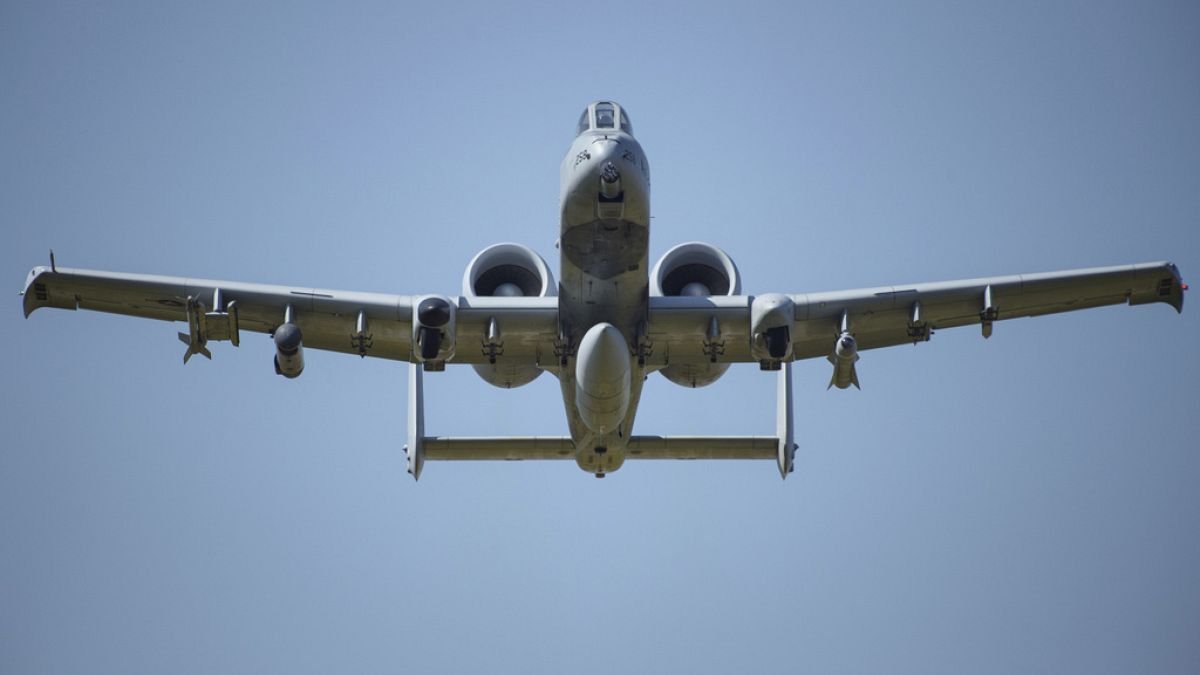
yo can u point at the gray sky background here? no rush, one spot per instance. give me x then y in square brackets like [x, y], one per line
[1022, 504]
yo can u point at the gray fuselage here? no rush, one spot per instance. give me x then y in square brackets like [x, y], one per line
[603, 283]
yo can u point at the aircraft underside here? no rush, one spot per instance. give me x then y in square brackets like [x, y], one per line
[608, 323]
[603, 302]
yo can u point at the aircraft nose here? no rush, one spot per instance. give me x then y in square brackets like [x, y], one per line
[606, 163]
[604, 150]
[605, 177]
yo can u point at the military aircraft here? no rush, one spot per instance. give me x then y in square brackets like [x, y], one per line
[604, 326]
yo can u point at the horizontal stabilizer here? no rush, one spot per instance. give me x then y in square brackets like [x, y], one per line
[441, 448]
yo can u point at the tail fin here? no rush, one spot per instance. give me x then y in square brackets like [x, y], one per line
[193, 348]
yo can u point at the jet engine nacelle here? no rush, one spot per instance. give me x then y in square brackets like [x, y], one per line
[289, 350]
[506, 270]
[695, 268]
[701, 270]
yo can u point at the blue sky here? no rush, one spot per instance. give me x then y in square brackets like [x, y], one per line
[1022, 504]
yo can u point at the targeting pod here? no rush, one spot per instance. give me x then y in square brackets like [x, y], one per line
[289, 350]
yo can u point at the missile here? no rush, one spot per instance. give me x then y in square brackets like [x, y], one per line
[843, 358]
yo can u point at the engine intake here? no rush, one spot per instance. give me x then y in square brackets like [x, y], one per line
[695, 268]
[508, 270]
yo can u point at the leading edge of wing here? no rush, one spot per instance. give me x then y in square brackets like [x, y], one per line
[152, 294]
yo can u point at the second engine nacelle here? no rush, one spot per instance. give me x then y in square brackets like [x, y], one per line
[694, 374]
[701, 270]
[695, 268]
[506, 270]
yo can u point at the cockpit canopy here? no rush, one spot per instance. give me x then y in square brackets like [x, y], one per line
[603, 115]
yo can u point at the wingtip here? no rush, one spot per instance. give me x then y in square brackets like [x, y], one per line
[413, 470]
[34, 296]
[29, 303]
[1180, 289]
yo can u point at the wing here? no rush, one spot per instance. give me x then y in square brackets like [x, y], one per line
[682, 331]
[692, 332]
[366, 324]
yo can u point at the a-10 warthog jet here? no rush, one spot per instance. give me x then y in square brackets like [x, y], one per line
[607, 323]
